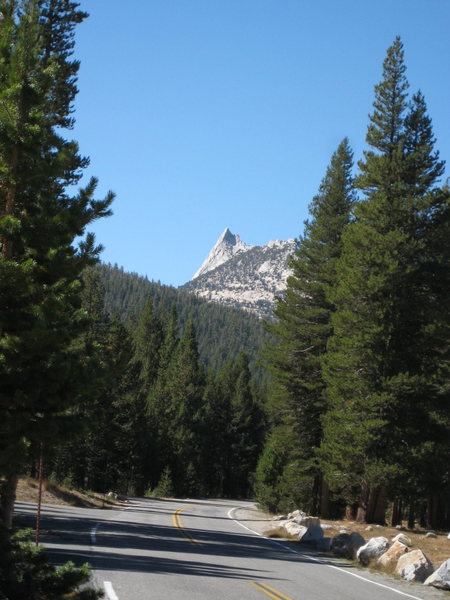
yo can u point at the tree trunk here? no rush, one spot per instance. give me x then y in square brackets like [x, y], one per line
[432, 511]
[361, 513]
[349, 512]
[7, 499]
[378, 505]
[324, 506]
[397, 512]
[411, 516]
[423, 514]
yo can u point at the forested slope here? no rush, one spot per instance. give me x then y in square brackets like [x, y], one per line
[222, 332]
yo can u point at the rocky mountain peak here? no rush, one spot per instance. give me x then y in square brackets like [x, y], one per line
[244, 276]
[227, 246]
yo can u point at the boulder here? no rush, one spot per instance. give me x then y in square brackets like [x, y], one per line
[340, 545]
[323, 544]
[374, 548]
[346, 545]
[401, 537]
[294, 529]
[430, 534]
[326, 526]
[389, 559]
[414, 566]
[441, 577]
[313, 534]
[357, 541]
[296, 513]
[307, 521]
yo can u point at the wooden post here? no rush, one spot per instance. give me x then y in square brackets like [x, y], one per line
[38, 515]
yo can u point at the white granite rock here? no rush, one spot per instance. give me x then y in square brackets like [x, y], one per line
[391, 556]
[441, 577]
[414, 566]
[374, 548]
[401, 537]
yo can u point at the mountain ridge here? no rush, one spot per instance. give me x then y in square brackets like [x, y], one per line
[243, 276]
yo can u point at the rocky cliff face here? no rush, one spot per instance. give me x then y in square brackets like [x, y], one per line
[243, 276]
[227, 246]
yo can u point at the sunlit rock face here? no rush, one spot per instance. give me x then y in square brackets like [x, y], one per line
[243, 276]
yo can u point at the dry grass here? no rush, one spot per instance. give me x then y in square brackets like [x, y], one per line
[28, 491]
[436, 549]
[279, 532]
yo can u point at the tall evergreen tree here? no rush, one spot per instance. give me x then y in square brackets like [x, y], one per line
[246, 430]
[41, 370]
[303, 328]
[148, 339]
[376, 386]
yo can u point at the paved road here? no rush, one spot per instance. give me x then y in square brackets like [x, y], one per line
[202, 550]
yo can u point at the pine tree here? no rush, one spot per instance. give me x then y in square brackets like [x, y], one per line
[303, 329]
[246, 430]
[185, 387]
[41, 369]
[148, 339]
[375, 384]
[215, 435]
[175, 405]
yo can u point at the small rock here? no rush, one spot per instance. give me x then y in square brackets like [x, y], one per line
[343, 530]
[400, 527]
[368, 528]
[414, 566]
[401, 537]
[441, 577]
[374, 548]
[448, 537]
[279, 518]
[430, 534]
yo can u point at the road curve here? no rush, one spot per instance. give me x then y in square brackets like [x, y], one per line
[159, 549]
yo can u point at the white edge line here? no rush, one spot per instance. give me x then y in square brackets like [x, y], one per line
[110, 591]
[317, 559]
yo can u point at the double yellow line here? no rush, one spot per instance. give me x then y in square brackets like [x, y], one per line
[269, 591]
[176, 520]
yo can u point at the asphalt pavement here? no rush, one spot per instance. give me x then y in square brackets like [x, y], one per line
[158, 549]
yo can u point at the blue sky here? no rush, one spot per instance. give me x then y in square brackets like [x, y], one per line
[206, 114]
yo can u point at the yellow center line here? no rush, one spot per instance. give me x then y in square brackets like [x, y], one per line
[269, 591]
[176, 520]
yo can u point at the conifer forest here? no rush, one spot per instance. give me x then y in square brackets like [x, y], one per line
[339, 405]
